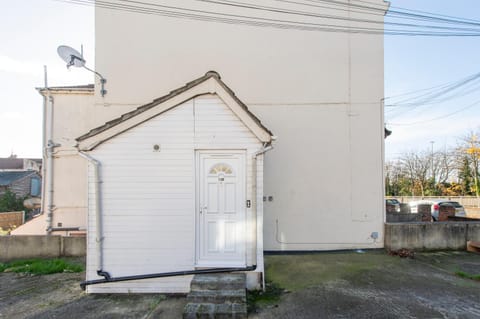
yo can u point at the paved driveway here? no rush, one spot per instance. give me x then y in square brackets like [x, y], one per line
[374, 285]
[323, 285]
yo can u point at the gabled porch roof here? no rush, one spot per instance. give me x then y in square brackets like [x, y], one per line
[210, 83]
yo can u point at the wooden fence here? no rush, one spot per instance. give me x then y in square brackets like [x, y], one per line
[10, 220]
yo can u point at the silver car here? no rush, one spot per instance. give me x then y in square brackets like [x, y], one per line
[435, 204]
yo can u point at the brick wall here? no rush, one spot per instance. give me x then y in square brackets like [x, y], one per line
[10, 219]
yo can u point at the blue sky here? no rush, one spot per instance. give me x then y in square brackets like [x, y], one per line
[31, 30]
[413, 63]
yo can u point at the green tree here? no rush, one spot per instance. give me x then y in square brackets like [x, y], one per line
[465, 176]
[10, 203]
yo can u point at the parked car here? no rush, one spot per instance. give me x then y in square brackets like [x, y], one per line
[435, 207]
[392, 205]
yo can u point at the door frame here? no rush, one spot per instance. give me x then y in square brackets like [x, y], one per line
[242, 153]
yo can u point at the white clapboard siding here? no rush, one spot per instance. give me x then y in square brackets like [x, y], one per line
[148, 197]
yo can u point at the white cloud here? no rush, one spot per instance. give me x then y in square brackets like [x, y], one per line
[8, 64]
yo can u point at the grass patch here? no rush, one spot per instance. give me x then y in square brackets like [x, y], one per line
[467, 275]
[40, 266]
[259, 298]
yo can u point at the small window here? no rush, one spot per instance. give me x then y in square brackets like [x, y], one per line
[221, 168]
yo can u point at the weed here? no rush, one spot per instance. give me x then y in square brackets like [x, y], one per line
[40, 266]
[467, 275]
[269, 297]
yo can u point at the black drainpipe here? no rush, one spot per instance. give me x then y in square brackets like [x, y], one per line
[107, 278]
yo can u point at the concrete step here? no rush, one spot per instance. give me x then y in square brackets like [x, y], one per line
[215, 311]
[217, 296]
[218, 281]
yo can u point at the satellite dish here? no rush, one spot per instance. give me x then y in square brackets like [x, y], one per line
[71, 56]
[75, 58]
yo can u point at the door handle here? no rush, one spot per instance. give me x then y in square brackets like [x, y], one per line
[202, 209]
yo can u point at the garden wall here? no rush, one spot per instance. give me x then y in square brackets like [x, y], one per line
[431, 236]
[22, 247]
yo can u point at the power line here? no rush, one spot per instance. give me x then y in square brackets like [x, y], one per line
[324, 16]
[212, 16]
[436, 96]
[437, 118]
[456, 20]
[430, 96]
[443, 85]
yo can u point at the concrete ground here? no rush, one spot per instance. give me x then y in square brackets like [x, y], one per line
[365, 284]
[60, 296]
[372, 284]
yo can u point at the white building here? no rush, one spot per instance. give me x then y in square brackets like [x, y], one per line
[319, 92]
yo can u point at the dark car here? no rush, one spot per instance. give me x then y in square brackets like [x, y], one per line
[392, 205]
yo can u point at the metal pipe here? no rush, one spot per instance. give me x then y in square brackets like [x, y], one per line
[262, 151]
[49, 154]
[108, 279]
[65, 229]
[44, 137]
[98, 212]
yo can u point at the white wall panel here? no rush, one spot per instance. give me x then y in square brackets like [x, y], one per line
[148, 197]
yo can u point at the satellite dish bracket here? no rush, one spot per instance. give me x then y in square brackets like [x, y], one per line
[102, 81]
[75, 58]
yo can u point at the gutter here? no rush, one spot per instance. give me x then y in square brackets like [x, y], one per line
[266, 147]
[49, 166]
[108, 279]
[44, 138]
[98, 213]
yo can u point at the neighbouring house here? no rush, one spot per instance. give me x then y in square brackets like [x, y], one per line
[140, 167]
[13, 163]
[21, 183]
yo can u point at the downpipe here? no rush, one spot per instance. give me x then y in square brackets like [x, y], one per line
[49, 150]
[98, 213]
[109, 279]
[262, 151]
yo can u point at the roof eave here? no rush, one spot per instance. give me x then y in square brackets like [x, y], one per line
[210, 83]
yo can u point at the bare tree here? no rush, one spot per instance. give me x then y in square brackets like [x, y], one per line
[443, 166]
[416, 166]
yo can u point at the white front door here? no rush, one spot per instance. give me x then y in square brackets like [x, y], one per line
[221, 208]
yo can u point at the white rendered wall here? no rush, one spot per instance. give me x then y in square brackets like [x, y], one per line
[319, 92]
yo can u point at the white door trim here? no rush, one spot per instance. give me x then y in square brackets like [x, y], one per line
[201, 260]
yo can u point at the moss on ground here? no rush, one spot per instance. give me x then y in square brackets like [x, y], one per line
[467, 275]
[295, 272]
[259, 299]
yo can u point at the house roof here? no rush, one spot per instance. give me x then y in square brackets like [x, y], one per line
[68, 89]
[210, 83]
[8, 177]
[11, 163]
[16, 163]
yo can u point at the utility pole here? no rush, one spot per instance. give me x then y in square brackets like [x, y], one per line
[433, 171]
